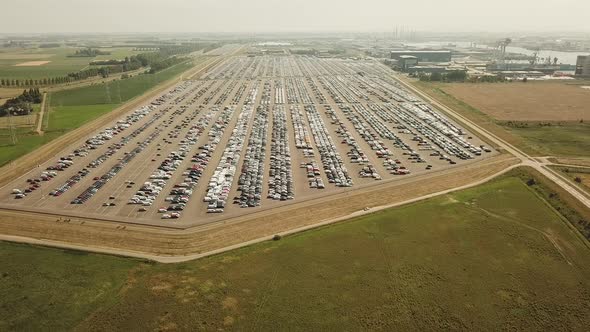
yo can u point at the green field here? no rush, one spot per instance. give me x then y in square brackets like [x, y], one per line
[562, 139]
[118, 91]
[66, 118]
[60, 64]
[494, 257]
[568, 139]
[27, 142]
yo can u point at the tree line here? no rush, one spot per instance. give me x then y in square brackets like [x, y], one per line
[452, 76]
[21, 105]
[88, 53]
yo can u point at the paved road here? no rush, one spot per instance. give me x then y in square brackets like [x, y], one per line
[526, 160]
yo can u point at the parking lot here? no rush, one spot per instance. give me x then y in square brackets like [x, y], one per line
[253, 133]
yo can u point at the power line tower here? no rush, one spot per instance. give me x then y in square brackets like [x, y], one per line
[108, 92]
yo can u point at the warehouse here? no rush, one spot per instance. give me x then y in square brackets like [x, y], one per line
[583, 65]
[424, 56]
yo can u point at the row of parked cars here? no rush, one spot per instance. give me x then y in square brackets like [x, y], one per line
[180, 194]
[331, 160]
[150, 190]
[419, 121]
[252, 172]
[101, 181]
[356, 153]
[279, 92]
[280, 182]
[220, 184]
[111, 150]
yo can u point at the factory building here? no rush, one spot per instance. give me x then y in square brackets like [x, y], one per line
[424, 56]
[406, 61]
[583, 65]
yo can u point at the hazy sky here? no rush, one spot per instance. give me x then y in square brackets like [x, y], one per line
[292, 15]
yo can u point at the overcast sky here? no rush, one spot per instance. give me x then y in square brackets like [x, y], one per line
[292, 15]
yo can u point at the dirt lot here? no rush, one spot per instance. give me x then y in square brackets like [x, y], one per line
[532, 101]
[32, 63]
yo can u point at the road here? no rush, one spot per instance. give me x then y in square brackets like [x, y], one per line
[39, 128]
[525, 159]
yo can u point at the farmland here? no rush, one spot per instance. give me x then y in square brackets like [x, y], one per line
[528, 116]
[59, 64]
[492, 257]
[533, 101]
[253, 134]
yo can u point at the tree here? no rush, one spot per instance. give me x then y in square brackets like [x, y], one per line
[436, 77]
[578, 179]
[524, 80]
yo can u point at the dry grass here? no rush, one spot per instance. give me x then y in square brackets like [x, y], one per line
[32, 63]
[533, 101]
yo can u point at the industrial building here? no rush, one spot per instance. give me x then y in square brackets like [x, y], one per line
[424, 56]
[406, 61]
[583, 65]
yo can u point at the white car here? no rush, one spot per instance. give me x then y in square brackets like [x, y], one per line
[166, 216]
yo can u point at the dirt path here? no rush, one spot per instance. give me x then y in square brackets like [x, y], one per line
[39, 128]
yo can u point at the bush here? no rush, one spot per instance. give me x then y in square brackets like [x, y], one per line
[276, 237]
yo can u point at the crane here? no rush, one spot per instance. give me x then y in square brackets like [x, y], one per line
[501, 52]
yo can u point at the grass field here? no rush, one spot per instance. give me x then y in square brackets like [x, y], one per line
[114, 92]
[562, 138]
[66, 118]
[27, 142]
[494, 257]
[60, 64]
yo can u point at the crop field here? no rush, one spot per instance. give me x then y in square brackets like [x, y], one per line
[252, 134]
[58, 62]
[493, 257]
[533, 101]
